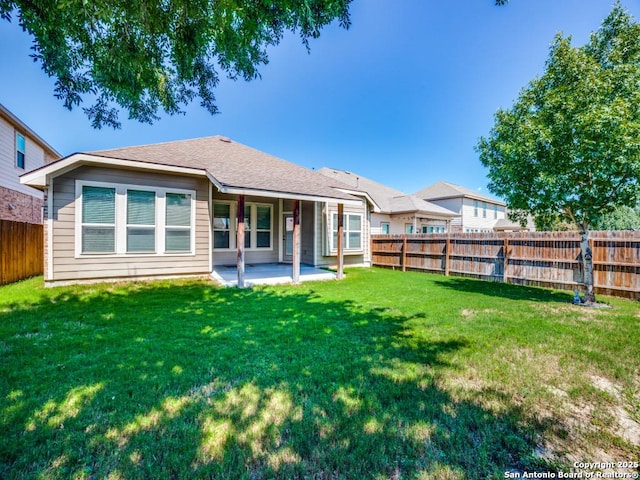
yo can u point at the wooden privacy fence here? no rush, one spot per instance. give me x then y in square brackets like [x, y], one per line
[21, 250]
[548, 259]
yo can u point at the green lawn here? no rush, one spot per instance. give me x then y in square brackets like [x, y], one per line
[383, 375]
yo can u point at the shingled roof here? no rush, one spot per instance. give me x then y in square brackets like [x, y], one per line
[388, 199]
[442, 190]
[231, 166]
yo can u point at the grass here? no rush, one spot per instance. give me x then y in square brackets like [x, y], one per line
[383, 375]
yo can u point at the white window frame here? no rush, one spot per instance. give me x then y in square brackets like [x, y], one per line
[382, 225]
[484, 209]
[475, 208]
[153, 227]
[495, 212]
[253, 232]
[121, 220]
[334, 248]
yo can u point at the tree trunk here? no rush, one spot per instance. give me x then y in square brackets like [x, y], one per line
[587, 265]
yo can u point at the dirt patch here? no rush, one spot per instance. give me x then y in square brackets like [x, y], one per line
[470, 313]
[628, 428]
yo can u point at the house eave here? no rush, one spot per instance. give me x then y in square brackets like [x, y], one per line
[42, 176]
[285, 195]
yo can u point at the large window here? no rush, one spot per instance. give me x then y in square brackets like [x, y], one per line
[98, 220]
[178, 222]
[258, 225]
[127, 219]
[141, 221]
[21, 149]
[352, 234]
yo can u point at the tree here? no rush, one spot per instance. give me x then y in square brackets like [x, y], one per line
[569, 147]
[622, 218]
[145, 55]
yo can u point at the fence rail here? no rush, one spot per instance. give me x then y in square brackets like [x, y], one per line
[548, 259]
[21, 250]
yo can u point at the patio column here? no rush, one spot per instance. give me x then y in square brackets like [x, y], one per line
[240, 241]
[295, 265]
[340, 273]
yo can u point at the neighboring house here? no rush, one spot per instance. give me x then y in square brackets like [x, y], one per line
[476, 212]
[172, 210]
[508, 225]
[395, 212]
[21, 150]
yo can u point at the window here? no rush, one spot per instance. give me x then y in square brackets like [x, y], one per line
[352, 234]
[20, 150]
[141, 221]
[98, 220]
[408, 228]
[263, 226]
[427, 229]
[484, 210]
[221, 225]
[475, 208]
[495, 211]
[258, 223]
[384, 228]
[133, 220]
[178, 222]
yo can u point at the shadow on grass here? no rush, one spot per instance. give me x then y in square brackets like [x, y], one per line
[187, 380]
[504, 290]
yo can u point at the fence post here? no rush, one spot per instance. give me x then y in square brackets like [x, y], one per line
[404, 253]
[505, 258]
[447, 250]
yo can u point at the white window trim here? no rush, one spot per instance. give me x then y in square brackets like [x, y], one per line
[121, 220]
[388, 224]
[233, 226]
[334, 248]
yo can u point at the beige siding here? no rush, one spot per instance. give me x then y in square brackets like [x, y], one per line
[308, 232]
[9, 172]
[329, 259]
[229, 257]
[68, 267]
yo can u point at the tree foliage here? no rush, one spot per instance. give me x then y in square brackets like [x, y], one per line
[569, 148]
[148, 55]
[570, 144]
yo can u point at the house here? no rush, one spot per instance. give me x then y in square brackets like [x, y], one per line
[476, 212]
[188, 207]
[21, 150]
[395, 212]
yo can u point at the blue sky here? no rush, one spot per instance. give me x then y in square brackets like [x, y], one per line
[401, 97]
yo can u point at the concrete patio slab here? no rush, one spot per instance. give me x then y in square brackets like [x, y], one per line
[268, 274]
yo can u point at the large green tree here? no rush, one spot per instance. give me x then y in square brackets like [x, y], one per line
[569, 147]
[147, 55]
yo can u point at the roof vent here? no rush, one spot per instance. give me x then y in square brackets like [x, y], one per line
[225, 139]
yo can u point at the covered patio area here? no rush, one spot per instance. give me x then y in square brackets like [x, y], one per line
[268, 274]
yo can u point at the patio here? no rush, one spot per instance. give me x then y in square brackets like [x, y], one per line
[268, 274]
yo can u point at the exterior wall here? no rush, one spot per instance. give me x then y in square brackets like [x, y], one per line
[327, 258]
[307, 226]
[65, 266]
[19, 206]
[9, 172]
[397, 223]
[229, 256]
[455, 205]
[480, 223]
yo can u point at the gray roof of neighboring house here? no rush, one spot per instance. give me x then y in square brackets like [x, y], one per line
[508, 224]
[442, 190]
[388, 199]
[6, 113]
[232, 164]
